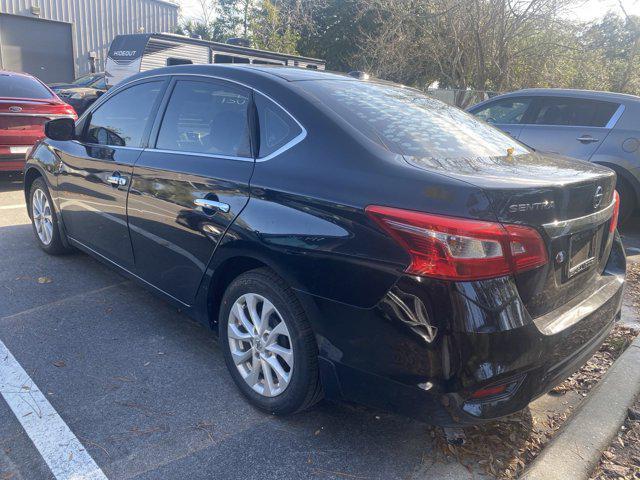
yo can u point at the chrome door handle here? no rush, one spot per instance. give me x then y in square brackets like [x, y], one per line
[587, 139]
[212, 204]
[116, 180]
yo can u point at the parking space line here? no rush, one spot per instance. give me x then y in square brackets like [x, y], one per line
[61, 450]
[12, 207]
[62, 300]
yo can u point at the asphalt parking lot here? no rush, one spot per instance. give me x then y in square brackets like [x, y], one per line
[145, 390]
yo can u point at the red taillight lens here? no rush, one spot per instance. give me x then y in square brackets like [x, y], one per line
[460, 249]
[63, 109]
[616, 212]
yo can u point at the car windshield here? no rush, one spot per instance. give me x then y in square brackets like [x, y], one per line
[408, 122]
[20, 86]
[85, 80]
[99, 83]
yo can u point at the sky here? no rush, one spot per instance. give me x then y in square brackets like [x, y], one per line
[585, 10]
[591, 9]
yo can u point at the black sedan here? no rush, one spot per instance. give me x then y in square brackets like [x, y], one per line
[346, 238]
[83, 92]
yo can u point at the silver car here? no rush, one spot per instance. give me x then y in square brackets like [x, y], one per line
[600, 127]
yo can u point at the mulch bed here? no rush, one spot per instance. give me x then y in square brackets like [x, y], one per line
[622, 459]
[502, 449]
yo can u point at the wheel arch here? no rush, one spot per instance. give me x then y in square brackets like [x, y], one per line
[624, 174]
[230, 265]
[223, 274]
[30, 176]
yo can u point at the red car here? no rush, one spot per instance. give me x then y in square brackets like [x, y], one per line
[26, 104]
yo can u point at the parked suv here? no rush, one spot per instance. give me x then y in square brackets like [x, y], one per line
[345, 238]
[600, 127]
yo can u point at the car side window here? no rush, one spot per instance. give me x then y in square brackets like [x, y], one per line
[277, 128]
[506, 111]
[121, 120]
[574, 112]
[206, 117]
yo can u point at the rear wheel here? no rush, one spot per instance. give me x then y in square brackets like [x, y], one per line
[268, 344]
[44, 219]
[628, 203]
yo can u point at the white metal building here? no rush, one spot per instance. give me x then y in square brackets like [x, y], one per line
[58, 40]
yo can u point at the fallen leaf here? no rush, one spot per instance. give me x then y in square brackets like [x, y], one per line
[42, 280]
[59, 363]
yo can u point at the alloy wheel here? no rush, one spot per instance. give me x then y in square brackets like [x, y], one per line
[42, 216]
[260, 344]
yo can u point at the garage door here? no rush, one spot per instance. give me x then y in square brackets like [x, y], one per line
[40, 47]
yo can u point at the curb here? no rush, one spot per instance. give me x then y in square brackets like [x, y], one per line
[575, 451]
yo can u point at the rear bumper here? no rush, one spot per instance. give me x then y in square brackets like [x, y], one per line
[426, 362]
[12, 162]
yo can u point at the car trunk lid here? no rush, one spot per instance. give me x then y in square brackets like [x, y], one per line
[22, 120]
[569, 202]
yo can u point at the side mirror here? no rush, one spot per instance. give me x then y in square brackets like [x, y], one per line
[60, 129]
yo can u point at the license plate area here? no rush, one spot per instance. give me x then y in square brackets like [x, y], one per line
[582, 252]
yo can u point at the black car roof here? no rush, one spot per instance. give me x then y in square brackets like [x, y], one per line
[289, 74]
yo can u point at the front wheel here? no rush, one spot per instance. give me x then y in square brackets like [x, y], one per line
[268, 345]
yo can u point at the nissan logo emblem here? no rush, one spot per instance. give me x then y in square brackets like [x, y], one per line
[15, 109]
[597, 198]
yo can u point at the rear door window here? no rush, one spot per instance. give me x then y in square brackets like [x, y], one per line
[507, 111]
[277, 127]
[206, 117]
[574, 112]
[122, 119]
[21, 86]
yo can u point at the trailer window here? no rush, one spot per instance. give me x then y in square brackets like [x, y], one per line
[178, 61]
[266, 62]
[219, 58]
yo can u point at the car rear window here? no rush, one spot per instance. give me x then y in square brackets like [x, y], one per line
[408, 122]
[18, 86]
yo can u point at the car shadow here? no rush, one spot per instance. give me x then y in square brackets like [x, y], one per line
[630, 233]
[10, 181]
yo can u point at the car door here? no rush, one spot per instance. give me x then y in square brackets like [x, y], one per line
[193, 182]
[95, 170]
[505, 113]
[569, 126]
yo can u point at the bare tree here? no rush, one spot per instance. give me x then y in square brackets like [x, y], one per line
[208, 11]
[464, 44]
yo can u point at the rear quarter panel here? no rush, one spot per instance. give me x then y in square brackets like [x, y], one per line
[621, 149]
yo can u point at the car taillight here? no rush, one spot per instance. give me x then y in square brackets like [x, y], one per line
[616, 212]
[63, 109]
[460, 249]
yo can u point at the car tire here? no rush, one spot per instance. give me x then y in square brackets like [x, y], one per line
[251, 347]
[44, 219]
[628, 203]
